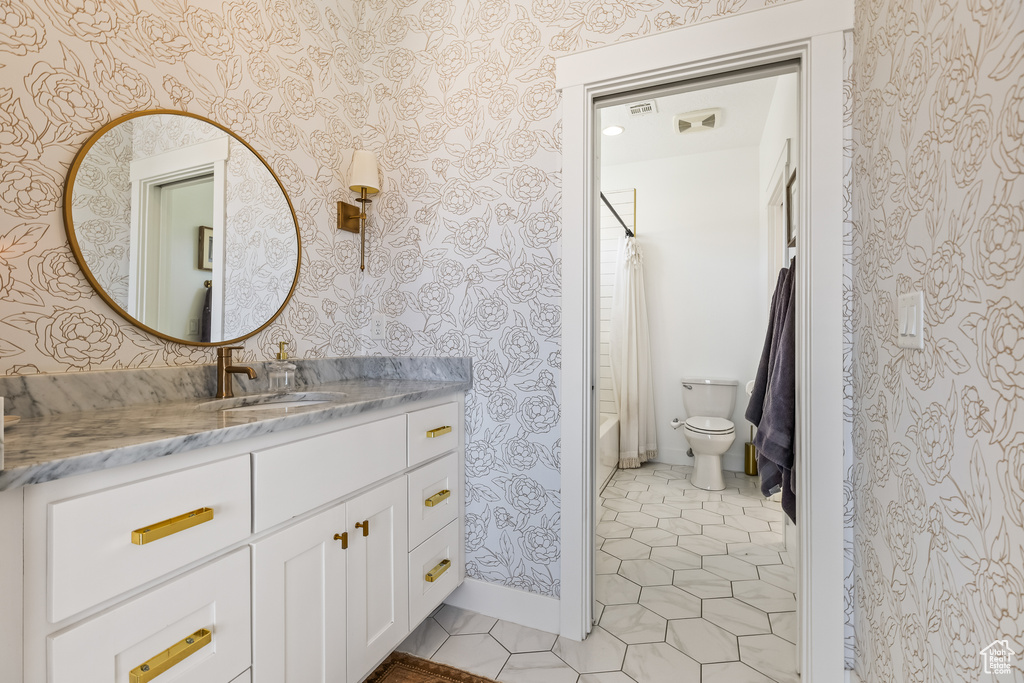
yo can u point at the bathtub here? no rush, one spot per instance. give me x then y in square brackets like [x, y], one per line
[607, 449]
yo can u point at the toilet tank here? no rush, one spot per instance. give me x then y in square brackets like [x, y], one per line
[706, 397]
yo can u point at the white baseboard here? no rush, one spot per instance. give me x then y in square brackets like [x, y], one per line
[510, 604]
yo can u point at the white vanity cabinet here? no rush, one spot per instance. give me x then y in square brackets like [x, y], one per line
[302, 570]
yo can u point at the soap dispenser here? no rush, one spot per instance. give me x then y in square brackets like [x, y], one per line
[282, 373]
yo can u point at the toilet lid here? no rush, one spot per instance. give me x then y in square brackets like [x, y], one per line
[710, 425]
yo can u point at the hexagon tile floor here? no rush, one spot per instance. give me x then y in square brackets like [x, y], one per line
[691, 587]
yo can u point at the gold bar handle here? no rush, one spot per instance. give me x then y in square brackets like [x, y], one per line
[437, 498]
[343, 537]
[365, 526]
[435, 573]
[160, 663]
[440, 431]
[154, 532]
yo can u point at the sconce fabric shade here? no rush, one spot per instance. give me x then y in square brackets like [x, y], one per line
[363, 175]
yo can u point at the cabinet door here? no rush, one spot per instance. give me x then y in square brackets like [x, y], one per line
[378, 579]
[299, 577]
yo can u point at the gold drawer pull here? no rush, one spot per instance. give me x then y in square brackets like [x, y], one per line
[435, 573]
[437, 498]
[365, 526]
[154, 532]
[343, 537]
[160, 663]
[440, 431]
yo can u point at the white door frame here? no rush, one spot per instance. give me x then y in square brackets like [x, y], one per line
[808, 30]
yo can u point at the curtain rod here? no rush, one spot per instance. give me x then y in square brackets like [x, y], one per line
[629, 233]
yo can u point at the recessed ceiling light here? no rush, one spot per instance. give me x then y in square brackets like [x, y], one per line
[613, 130]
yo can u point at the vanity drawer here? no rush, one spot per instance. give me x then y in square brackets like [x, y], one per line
[293, 478]
[94, 551]
[425, 595]
[214, 597]
[428, 484]
[433, 431]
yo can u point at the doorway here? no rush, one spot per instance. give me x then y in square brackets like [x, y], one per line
[690, 170]
[737, 44]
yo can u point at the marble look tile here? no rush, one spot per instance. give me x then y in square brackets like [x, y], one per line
[650, 479]
[735, 616]
[598, 611]
[601, 651]
[702, 545]
[765, 514]
[679, 527]
[630, 486]
[613, 529]
[723, 532]
[780, 575]
[771, 655]
[670, 602]
[457, 621]
[769, 539]
[723, 508]
[783, 624]
[646, 572]
[702, 496]
[645, 497]
[659, 663]
[655, 537]
[517, 639]
[731, 672]
[424, 640]
[764, 596]
[627, 549]
[605, 563]
[701, 516]
[754, 554]
[637, 519]
[607, 677]
[702, 640]
[624, 475]
[743, 501]
[660, 510]
[703, 584]
[684, 503]
[731, 568]
[745, 523]
[477, 653]
[676, 558]
[621, 505]
[607, 515]
[633, 624]
[537, 667]
[612, 589]
[612, 493]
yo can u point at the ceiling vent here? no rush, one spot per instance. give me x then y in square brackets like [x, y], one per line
[643, 108]
[690, 122]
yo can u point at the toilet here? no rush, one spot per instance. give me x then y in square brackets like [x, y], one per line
[709, 403]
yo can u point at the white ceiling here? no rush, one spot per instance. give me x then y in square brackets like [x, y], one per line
[744, 111]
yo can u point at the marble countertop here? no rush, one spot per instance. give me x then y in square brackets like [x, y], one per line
[51, 446]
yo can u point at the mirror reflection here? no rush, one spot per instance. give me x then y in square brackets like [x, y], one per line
[182, 228]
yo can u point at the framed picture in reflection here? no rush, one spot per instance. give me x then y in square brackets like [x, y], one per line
[205, 248]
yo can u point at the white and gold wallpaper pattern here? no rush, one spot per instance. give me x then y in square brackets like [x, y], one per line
[938, 479]
[456, 97]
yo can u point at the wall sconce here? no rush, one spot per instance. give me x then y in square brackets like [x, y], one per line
[362, 179]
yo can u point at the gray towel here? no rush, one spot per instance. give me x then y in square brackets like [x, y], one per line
[772, 406]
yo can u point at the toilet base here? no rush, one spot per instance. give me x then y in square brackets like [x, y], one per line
[707, 472]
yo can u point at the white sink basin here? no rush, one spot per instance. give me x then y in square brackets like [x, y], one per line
[275, 402]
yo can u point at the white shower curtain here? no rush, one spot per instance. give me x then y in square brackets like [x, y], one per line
[631, 360]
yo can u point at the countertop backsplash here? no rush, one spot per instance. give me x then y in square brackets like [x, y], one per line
[31, 396]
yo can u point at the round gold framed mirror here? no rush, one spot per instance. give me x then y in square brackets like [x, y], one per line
[182, 228]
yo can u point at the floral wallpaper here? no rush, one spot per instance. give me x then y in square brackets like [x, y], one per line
[938, 433]
[457, 99]
[276, 72]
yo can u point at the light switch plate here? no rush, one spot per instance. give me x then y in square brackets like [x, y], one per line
[910, 321]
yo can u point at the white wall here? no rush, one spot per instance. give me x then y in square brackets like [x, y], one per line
[612, 235]
[698, 223]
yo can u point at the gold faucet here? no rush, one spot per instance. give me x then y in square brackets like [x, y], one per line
[225, 369]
